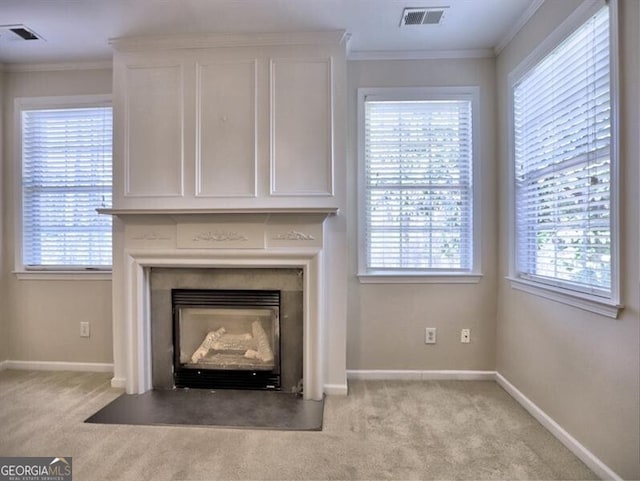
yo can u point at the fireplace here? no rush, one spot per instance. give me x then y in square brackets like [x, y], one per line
[284, 250]
[226, 338]
[235, 328]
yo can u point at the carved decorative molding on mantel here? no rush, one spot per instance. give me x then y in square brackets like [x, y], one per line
[294, 235]
[150, 236]
[220, 237]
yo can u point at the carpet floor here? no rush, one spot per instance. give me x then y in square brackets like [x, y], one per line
[384, 430]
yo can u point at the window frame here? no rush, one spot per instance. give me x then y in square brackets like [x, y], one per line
[560, 291]
[410, 276]
[43, 272]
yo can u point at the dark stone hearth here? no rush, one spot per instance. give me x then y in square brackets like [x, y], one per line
[223, 408]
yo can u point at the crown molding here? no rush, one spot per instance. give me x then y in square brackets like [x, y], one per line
[520, 23]
[61, 66]
[418, 54]
[163, 42]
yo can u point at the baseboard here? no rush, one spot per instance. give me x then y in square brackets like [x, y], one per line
[335, 389]
[118, 382]
[59, 366]
[3, 365]
[417, 375]
[571, 443]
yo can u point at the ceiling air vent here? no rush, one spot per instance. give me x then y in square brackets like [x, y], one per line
[17, 32]
[422, 16]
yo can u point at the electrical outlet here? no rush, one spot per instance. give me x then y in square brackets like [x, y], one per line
[85, 329]
[430, 335]
[465, 336]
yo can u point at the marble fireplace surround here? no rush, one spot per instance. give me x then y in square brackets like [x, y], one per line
[143, 240]
[287, 281]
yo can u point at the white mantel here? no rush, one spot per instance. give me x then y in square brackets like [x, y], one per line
[220, 240]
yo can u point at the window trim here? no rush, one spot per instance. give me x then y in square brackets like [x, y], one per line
[54, 272]
[609, 306]
[370, 276]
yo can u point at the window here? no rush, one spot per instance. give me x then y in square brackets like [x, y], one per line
[417, 174]
[564, 165]
[66, 175]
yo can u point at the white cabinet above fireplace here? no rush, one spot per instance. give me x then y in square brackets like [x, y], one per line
[228, 121]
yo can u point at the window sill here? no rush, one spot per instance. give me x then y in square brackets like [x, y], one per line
[45, 275]
[597, 305]
[419, 278]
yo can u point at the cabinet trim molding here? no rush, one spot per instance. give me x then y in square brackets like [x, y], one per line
[129, 190]
[169, 42]
[328, 188]
[201, 68]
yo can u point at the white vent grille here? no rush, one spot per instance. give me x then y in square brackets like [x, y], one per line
[17, 33]
[422, 16]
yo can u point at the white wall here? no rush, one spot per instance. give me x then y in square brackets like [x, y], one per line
[582, 369]
[387, 321]
[42, 318]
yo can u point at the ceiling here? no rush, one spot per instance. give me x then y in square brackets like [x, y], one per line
[79, 30]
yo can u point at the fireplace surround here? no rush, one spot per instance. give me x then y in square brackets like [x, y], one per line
[277, 240]
[236, 294]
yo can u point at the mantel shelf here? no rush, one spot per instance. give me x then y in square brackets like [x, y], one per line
[265, 210]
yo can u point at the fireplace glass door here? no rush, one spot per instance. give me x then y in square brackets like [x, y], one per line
[226, 339]
[218, 338]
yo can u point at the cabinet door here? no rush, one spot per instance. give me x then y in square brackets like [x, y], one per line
[226, 129]
[301, 127]
[154, 134]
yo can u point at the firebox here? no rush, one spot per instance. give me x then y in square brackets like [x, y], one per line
[226, 338]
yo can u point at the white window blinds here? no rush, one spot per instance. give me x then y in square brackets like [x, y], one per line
[562, 119]
[418, 185]
[66, 175]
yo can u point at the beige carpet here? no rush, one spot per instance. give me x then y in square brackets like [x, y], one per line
[396, 430]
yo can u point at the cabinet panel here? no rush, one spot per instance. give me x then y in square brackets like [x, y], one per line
[301, 127]
[226, 129]
[154, 131]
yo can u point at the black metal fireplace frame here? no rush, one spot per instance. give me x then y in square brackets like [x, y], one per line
[204, 378]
